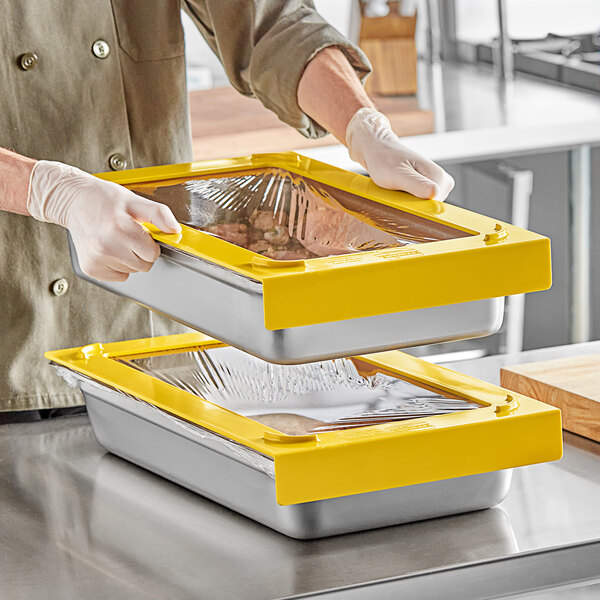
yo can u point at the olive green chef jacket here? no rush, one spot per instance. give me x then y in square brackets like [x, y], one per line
[106, 89]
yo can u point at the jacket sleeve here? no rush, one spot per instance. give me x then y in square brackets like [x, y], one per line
[264, 46]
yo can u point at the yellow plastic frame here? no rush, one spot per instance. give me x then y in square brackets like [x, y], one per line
[498, 259]
[510, 430]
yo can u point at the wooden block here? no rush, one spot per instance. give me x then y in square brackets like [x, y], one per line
[226, 124]
[391, 26]
[394, 66]
[571, 384]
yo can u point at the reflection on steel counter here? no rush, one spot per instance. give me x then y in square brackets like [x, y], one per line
[100, 525]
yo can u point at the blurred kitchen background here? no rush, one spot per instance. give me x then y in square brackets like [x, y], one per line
[505, 94]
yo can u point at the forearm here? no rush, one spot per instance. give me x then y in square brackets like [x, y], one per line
[330, 92]
[15, 172]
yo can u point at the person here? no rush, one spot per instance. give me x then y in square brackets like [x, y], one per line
[93, 86]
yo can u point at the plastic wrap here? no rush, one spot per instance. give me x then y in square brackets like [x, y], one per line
[293, 399]
[284, 216]
[247, 455]
[297, 399]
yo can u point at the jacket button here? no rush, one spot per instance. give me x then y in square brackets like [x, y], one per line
[100, 49]
[59, 287]
[28, 60]
[117, 162]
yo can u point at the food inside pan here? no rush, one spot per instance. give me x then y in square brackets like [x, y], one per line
[298, 399]
[285, 216]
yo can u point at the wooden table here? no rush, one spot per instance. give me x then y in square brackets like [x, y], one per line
[571, 384]
[226, 124]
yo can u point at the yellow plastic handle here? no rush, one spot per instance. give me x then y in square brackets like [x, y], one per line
[159, 236]
[506, 409]
[282, 438]
[498, 235]
[269, 263]
[91, 350]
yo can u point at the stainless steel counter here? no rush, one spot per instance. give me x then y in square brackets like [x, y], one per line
[586, 591]
[77, 523]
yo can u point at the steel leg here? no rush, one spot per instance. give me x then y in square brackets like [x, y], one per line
[522, 188]
[505, 59]
[520, 184]
[580, 202]
[434, 31]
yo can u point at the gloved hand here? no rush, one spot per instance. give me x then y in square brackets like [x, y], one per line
[103, 218]
[372, 143]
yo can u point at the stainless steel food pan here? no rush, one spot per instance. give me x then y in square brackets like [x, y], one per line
[229, 307]
[156, 441]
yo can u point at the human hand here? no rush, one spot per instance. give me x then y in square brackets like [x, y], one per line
[372, 143]
[103, 219]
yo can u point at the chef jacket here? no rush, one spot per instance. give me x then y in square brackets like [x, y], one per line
[100, 84]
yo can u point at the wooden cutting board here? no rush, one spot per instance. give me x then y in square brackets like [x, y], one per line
[226, 124]
[571, 384]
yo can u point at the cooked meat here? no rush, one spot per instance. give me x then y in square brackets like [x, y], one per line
[260, 247]
[235, 233]
[277, 235]
[263, 220]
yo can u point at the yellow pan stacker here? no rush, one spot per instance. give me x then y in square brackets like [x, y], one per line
[388, 271]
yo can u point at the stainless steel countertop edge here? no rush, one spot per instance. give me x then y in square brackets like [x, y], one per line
[483, 580]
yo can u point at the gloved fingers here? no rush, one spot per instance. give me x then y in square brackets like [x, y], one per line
[130, 262]
[435, 173]
[445, 188]
[127, 261]
[140, 244]
[115, 263]
[145, 265]
[372, 142]
[406, 178]
[147, 211]
[115, 253]
[124, 247]
[108, 274]
[99, 269]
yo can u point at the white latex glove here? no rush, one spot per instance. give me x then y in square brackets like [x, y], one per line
[372, 143]
[103, 218]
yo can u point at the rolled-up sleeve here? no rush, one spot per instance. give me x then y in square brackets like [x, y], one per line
[264, 46]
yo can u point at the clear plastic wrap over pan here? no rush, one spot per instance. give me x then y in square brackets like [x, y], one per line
[293, 399]
[297, 399]
[242, 478]
[310, 450]
[284, 216]
[295, 261]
